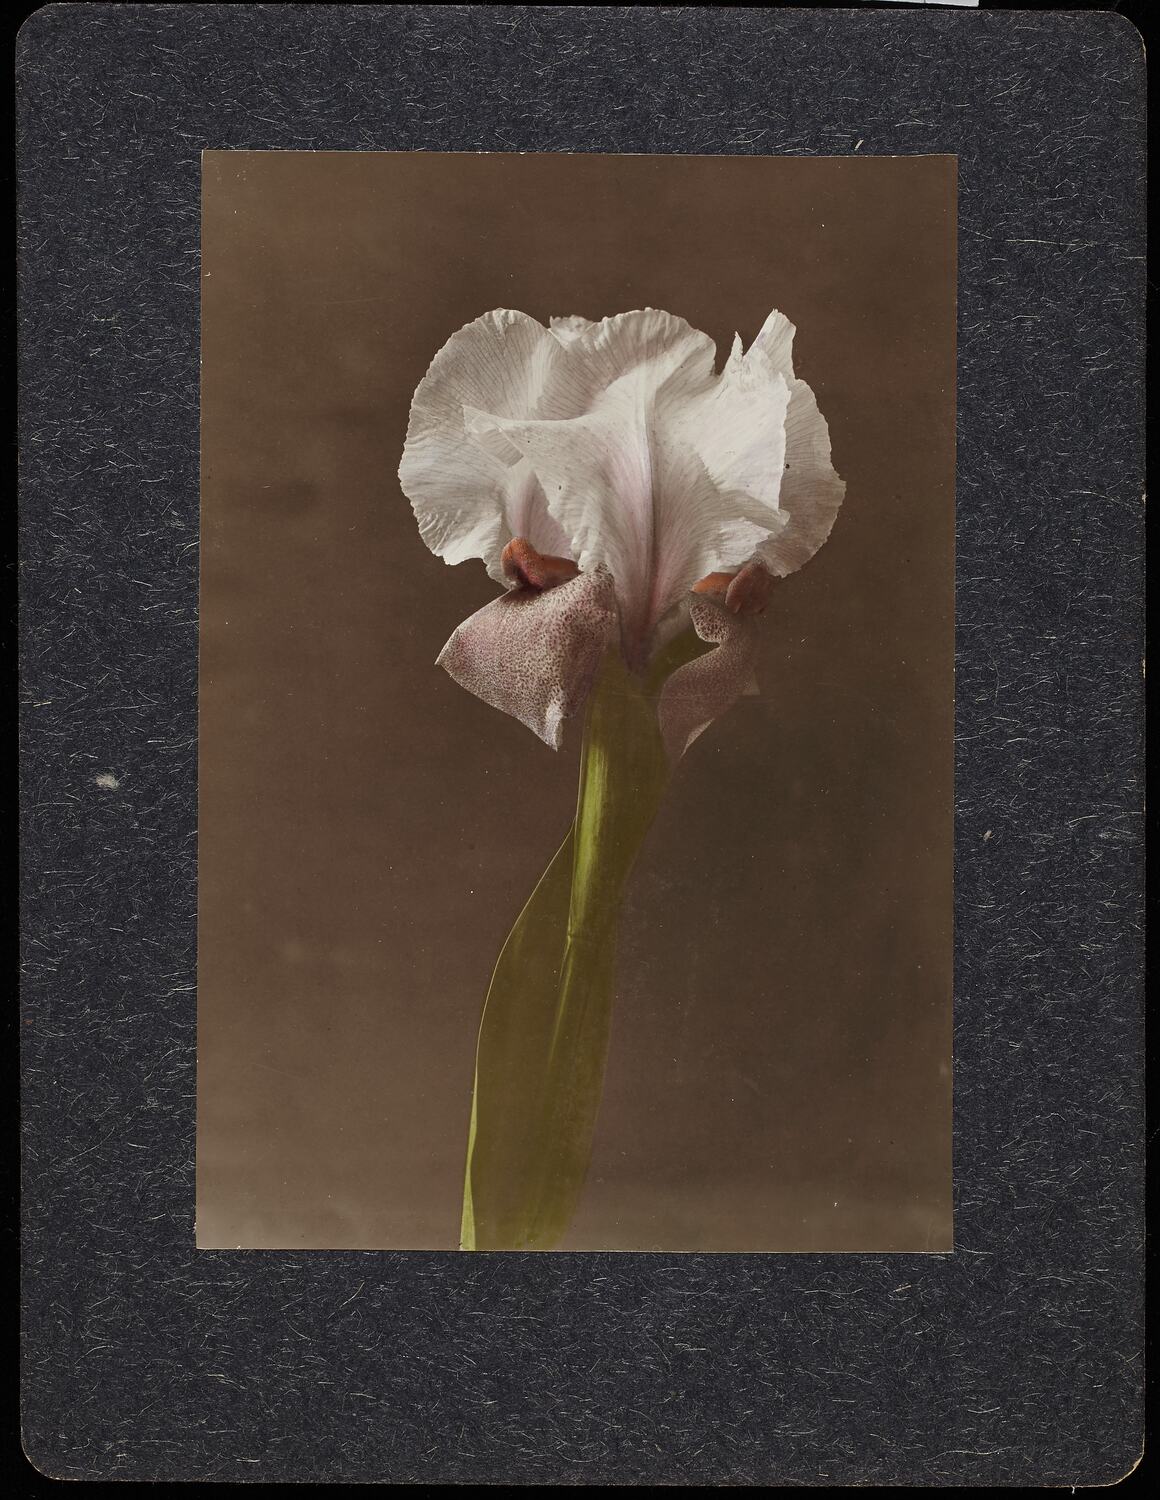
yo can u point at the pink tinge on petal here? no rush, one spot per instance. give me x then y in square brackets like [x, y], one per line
[535, 654]
[702, 690]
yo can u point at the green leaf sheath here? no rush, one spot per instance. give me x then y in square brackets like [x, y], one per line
[544, 1034]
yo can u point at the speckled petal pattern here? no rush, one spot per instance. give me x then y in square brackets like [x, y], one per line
[535, 655]
[702, 690]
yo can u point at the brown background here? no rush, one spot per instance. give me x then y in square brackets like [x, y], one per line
[779, 1076]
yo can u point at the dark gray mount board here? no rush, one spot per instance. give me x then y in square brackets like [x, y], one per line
[1015, 1360]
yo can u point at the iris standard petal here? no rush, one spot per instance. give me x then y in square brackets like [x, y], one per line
[601, 353]
[534, 654]
[703, 689]
[671, 473]
[469, 501]
[811, 492]
[740, 428]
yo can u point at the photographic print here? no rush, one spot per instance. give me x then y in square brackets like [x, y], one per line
[575, 767]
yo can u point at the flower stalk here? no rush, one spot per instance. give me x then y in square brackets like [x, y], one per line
[543, 1038]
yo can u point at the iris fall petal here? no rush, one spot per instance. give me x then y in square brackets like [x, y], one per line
[534, 654]
[702, 690]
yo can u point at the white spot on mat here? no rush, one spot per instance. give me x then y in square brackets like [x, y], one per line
[107, 781]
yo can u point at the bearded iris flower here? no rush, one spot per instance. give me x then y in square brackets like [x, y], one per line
[636, 506]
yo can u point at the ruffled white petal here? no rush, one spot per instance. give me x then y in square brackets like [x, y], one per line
[740, 428]
[535, 655]
[647, 341]
[468, 501]
[811, 492]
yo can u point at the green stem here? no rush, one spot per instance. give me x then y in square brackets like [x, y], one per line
[544, 1035]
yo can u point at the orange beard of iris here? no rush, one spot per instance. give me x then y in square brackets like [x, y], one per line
[530, 569]
[746, 592]
[713, 583]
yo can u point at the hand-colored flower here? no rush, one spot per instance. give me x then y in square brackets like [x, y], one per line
[621, 489]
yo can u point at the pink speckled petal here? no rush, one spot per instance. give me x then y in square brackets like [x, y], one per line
[702, 690]
[535, 655]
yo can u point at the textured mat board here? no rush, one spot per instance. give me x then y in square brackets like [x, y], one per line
[1015, 1360]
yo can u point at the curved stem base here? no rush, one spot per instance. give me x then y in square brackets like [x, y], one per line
[544, 1035]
